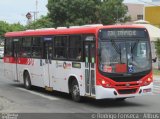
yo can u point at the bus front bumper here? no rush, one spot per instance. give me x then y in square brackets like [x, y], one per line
[104, 93]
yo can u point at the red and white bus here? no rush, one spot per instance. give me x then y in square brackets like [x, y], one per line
[100, 62]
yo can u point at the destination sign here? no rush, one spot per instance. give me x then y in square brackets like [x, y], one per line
[47, 38]
[122, 33]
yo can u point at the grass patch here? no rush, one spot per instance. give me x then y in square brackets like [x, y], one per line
[156, 72]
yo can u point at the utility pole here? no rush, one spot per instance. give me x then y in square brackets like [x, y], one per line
[36, 12]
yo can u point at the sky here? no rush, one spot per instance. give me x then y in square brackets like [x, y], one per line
[14, 11]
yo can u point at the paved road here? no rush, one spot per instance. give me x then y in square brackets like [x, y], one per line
[156, 85]
[14, 98]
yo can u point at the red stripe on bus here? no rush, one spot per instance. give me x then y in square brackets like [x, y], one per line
[24, 61]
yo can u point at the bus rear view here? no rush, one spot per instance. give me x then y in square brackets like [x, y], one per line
[124, 63]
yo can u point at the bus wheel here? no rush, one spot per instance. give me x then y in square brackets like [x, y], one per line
[75, 92]
[27, 81]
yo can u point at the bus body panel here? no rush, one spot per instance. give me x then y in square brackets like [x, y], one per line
[37, 73]
[60, 73]
[9, 71]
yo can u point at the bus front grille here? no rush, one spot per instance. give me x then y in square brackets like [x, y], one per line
[126, 78]
[127, 91]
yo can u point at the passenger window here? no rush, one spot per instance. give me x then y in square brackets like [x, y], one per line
[8, 47]
[37, 47]
[60, 47]
[75, 47]
[26, 47]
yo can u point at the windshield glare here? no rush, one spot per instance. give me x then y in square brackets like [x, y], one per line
[124, 56]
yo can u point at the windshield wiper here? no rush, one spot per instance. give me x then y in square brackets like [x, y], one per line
[132, 47]
[118, 50]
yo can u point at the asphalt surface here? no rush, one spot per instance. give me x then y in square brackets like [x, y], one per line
[15, 99]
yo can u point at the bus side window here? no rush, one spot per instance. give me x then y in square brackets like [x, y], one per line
[26, 47]
[37, 47]
[75, 47]
[8, 47]
[16, 46]
[60, 47]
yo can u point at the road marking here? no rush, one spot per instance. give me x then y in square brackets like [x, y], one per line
[39, 94]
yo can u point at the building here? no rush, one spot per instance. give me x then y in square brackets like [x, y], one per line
[152, 15]
[135, 11]
[148, 11]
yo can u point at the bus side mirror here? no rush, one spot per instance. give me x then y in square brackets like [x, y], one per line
[154, 60]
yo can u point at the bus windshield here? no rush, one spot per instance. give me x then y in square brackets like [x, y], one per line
[124, 54]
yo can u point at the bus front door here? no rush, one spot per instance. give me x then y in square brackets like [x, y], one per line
[47, 63]
[90, 68]
[16, 47]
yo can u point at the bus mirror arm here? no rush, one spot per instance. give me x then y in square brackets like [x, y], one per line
[154, 60]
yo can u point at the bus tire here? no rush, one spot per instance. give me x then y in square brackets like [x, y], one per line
[27, 81]
[75, 92]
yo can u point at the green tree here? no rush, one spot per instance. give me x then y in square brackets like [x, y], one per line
[16, 27]
[43, 22]
[6, 27]
[71, 12]
[79, 12]
[112, 11]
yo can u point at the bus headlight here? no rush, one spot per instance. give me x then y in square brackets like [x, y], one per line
[148, 81]
[105, 83]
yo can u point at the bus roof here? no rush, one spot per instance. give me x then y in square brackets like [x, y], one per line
[81, 30]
